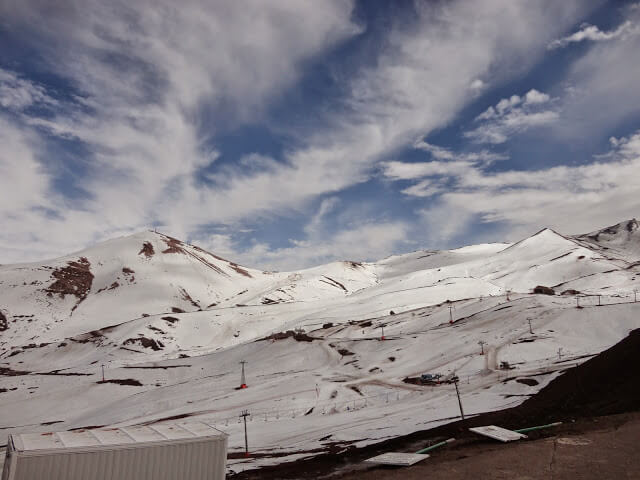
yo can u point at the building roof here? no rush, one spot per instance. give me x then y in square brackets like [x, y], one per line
[83, 438]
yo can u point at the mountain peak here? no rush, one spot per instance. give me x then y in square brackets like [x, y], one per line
[622, 239]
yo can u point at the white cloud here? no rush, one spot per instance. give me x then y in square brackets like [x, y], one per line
[594, 34]
[409, 171]
[512, 116]
[151, 73]
[477, 84]
[424, 188]
[18, 93]
[570, 199]
[507, 104]
[604, 91]
[440, 153]
[533, 97]
[23, 181]
[148, 73]
[356, 238]
[415, 86]
[366, 241]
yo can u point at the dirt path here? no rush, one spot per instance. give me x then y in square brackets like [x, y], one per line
[603, 448]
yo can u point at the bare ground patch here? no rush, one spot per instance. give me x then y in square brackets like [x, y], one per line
[74, 279]
[145, 342]
[122, 381]
[147, 250]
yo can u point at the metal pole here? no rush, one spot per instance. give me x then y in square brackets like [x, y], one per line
[437, 445]
[530, 329]
[450, 313]
[382, 336]
[102, 373]
[244, 415]
[455, 382]
[243, 382]
[599, 302]
[539, 427]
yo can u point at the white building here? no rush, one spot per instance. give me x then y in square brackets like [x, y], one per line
[190, 451]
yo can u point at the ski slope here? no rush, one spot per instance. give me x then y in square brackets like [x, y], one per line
[180, 320]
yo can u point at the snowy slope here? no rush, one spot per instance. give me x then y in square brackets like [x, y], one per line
[621, 240]
[179, 321]
[114, 282]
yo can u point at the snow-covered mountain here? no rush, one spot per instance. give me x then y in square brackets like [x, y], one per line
[177, 320]
[621, 240]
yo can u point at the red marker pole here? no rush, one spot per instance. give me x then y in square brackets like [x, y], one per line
[243, 381]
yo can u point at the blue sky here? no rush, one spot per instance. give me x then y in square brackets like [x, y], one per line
[291, 133]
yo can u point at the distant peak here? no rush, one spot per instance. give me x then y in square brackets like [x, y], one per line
[626, 227]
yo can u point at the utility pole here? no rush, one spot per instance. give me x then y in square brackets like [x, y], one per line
[599, 302]
[244, 415]
[577, 301]
[508, 292]
[482, 343]
[455, 382]
[243, 381]
[560, 353]
[450, 313]
[102, 372]
[530, 329]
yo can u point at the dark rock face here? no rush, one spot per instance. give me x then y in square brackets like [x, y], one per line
[541, 289]
[74, 279]
[145, 342]
[122, 381]
[571, 292]
[147, 250]
[4, 323]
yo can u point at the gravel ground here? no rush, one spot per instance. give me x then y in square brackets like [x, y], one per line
[602, 448]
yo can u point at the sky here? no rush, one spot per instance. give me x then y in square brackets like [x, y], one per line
[291, 133]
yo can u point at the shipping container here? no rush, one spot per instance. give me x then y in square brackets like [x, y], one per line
[190, 451]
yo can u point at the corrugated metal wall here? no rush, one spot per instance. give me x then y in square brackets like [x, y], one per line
[194, 460]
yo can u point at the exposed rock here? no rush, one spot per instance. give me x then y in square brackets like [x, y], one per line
[239, 269]
[74, 279]
[298, 336]
[570, 292]
[124, 381]
[145, 343]
[147, 250]
[541, 289]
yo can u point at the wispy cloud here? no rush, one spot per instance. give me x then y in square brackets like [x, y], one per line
[513, 115]
[440, 153]
[594, 34]
[603, 87]
[155, 82]
[18, 93]
[354, 238]
[572, 199]
[146, 74]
